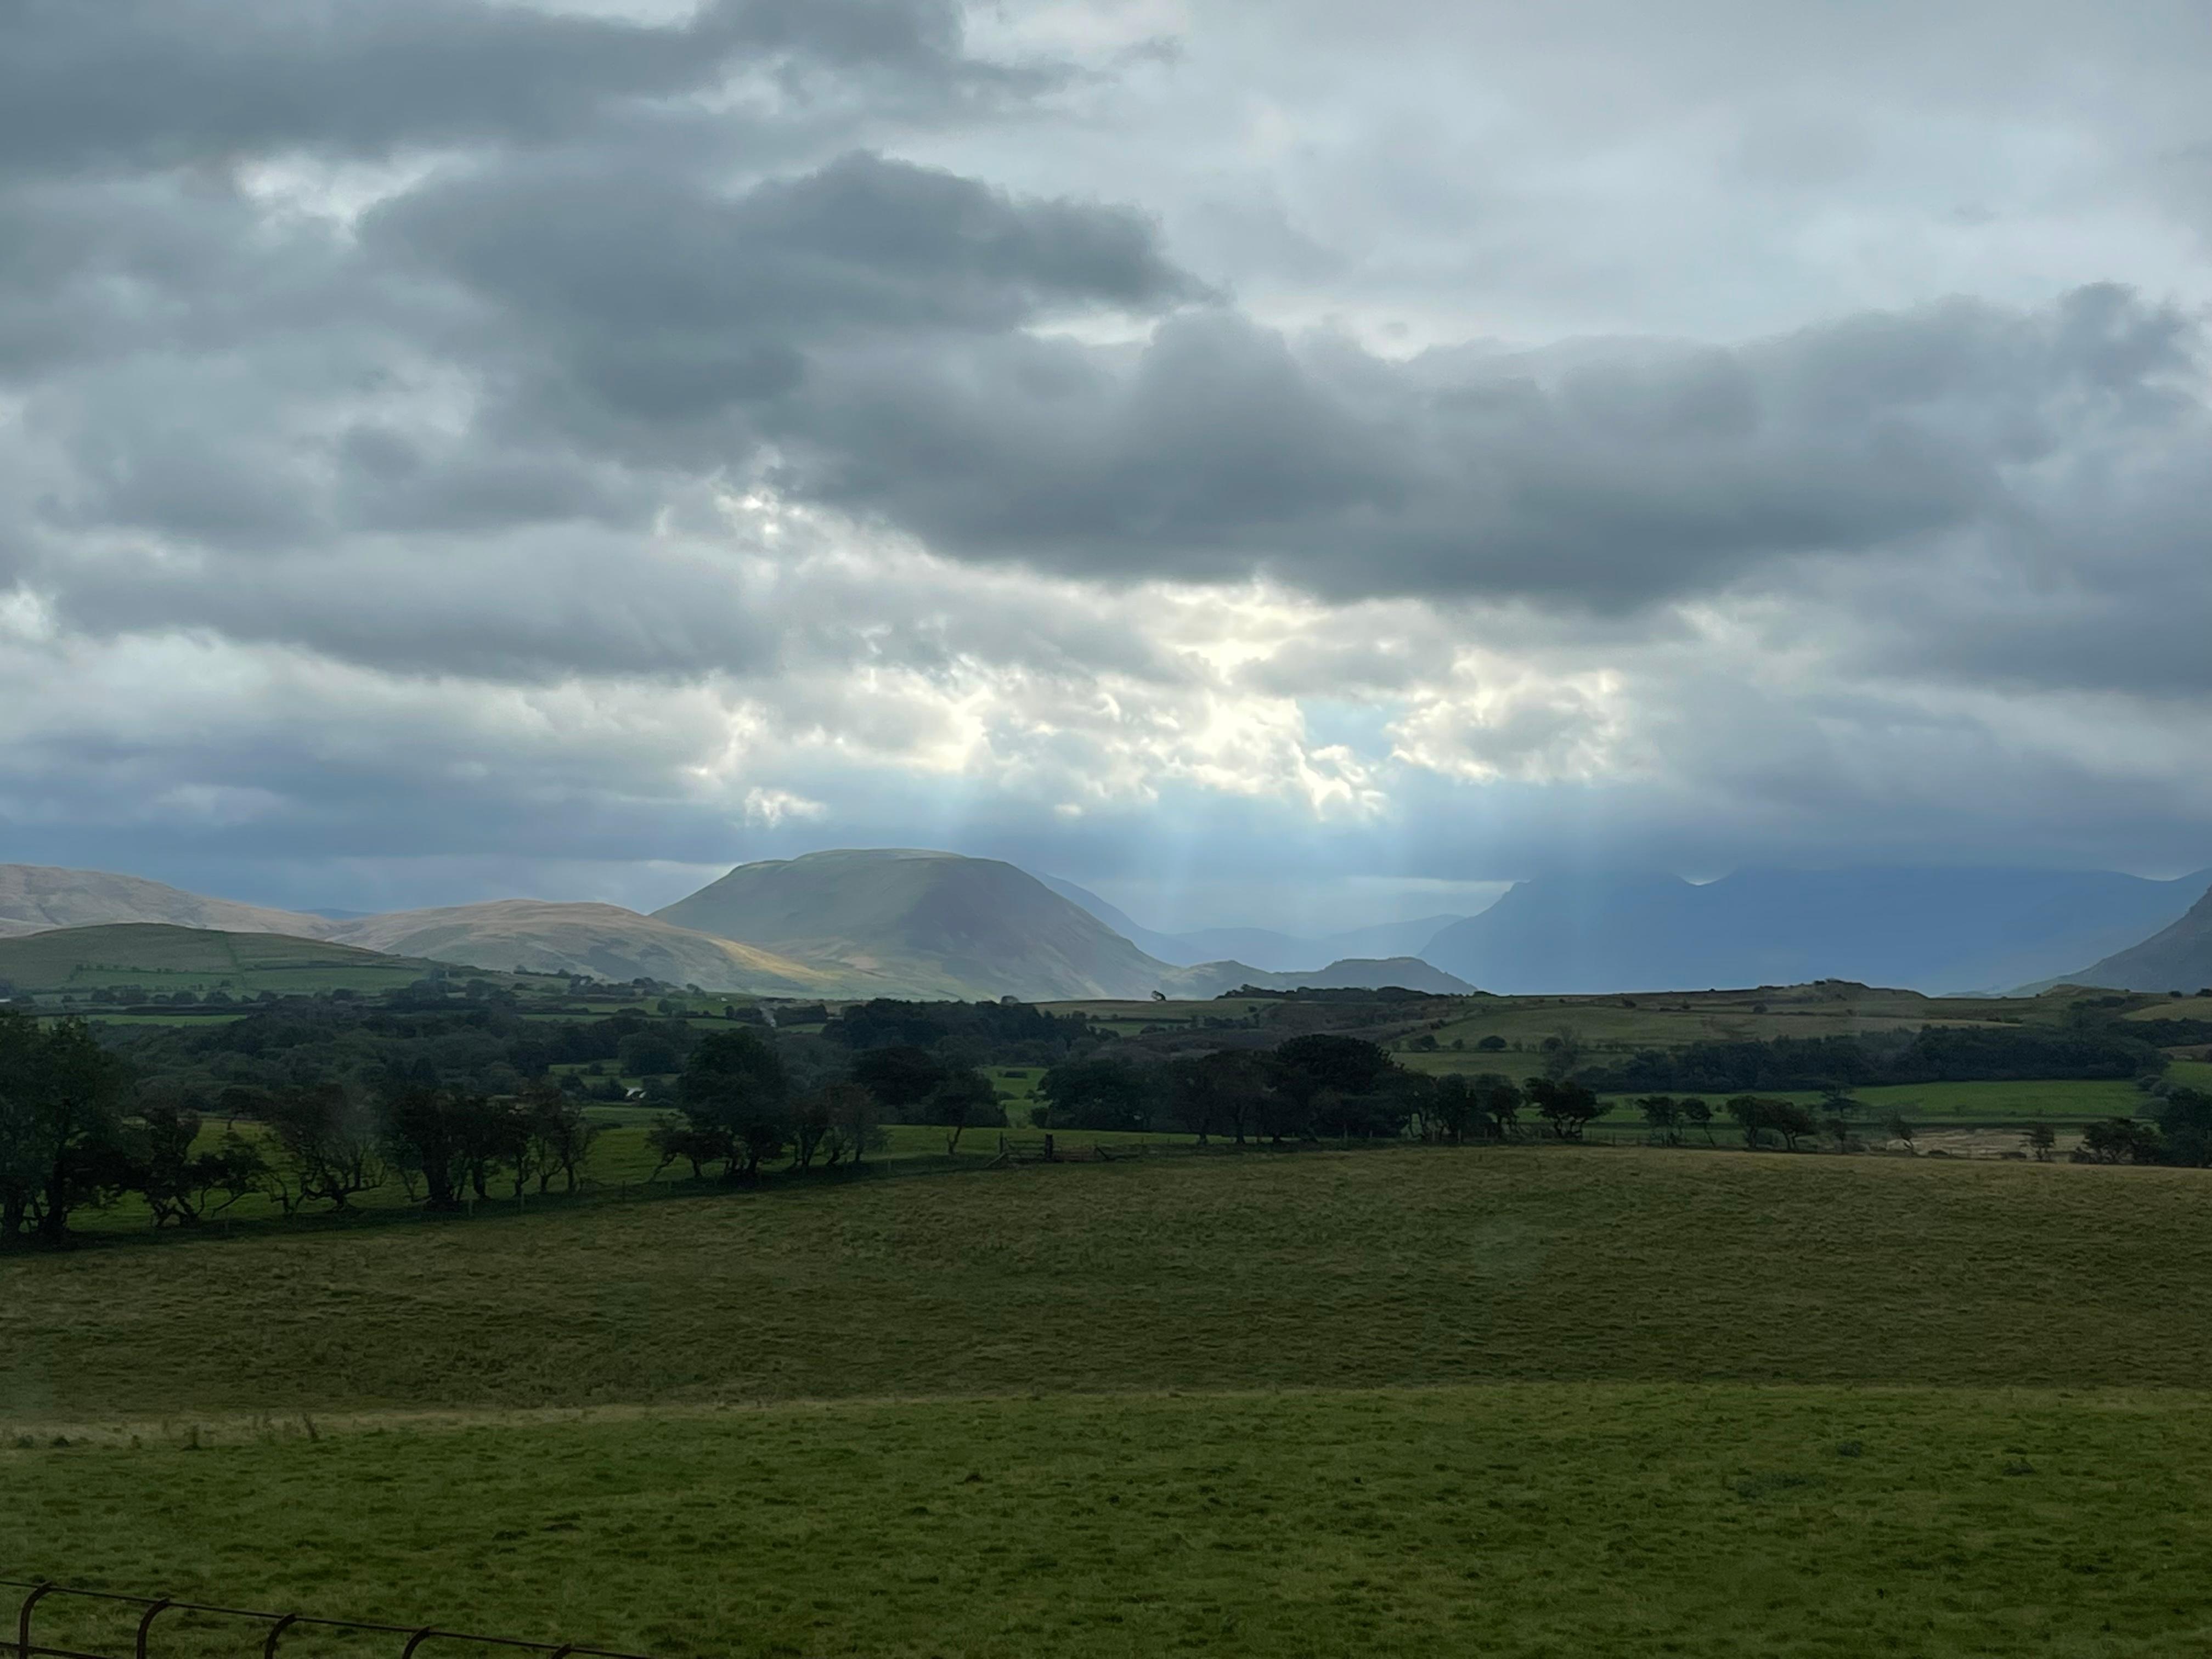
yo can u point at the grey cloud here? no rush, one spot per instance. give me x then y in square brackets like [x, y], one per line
[1223, 451]
[138, 83]
[669, 302]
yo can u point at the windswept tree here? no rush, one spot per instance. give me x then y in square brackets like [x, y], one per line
[329, 1147]
[182, 1181]
[1567, 1106]
[61, 1127]
[1694, 1113]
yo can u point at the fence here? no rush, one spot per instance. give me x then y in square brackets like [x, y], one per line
[269, 1628]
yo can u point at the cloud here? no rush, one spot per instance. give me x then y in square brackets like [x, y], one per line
[455, 437]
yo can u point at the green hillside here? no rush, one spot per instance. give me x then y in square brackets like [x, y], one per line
[159, 958]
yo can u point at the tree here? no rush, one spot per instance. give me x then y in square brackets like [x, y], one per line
[1453, 1108]
[2119, 1140]
[1758, 1115]
[1693, 1111]
[855, 1122]
[736, 1093]
[1339, 1083]
[560, 1135]
[1663, 1114]
[2040, 1139]
[1500, 1100]
[424, 1136]
[61, 1127]
[1221, 1093]
[902, 1077]
[178, 1183]
[328, 1147]
[1492, 1045]
[1103, 1092]
[1900, 1129]
[965, 1099]
[1568, 1107]
[2185, 1121]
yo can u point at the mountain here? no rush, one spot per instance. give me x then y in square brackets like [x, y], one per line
[1212, 979]
[160, 956]
[2178, 959]
[1262, 947]
[603, 941]
[35, 896]
[1934, 930]
[929, 924]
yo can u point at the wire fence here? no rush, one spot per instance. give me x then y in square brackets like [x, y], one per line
[110, 1626]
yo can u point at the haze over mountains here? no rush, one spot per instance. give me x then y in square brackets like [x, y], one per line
[2178, 958]
[1944, 930]
[909, 923]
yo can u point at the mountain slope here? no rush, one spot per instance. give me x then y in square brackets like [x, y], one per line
[2180, 958]
[934, 924]
[1931, 930]
[1262, 947]
[603, 941]
[37, 897]
[160, 956]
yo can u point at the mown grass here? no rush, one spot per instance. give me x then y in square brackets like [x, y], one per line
[1518, 1520]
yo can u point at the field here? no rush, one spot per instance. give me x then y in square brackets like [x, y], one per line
[1526, 1401]
[1502, 1400]
[1508, 1520]
[156, 957]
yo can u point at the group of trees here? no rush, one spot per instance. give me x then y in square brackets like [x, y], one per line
[740, 1105]
[1320, 1086]
[75, 1135]
[1934, 1054]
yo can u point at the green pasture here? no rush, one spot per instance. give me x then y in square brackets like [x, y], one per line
[1418, 1267]
[1603, 1522]
[171, 959]
[1522, 1402]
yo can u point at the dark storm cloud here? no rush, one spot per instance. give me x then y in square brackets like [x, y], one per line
[1223, 451]
[149, 83]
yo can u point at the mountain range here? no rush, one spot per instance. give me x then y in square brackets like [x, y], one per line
[910, 923]
[1934, 930]
[856, 923]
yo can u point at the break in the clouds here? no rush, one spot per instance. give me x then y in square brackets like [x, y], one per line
[451, 448]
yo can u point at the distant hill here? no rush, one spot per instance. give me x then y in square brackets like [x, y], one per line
[2180, 958]
[603, 941]
[1262, 947]
[1950, 930]
[37, 897]
[929, 924]
[161, 957]
[1212, 979]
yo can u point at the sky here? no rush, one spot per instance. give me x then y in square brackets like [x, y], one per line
[1301, 464]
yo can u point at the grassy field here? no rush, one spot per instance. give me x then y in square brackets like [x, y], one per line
[1520, 1402]
[1510, 1520]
